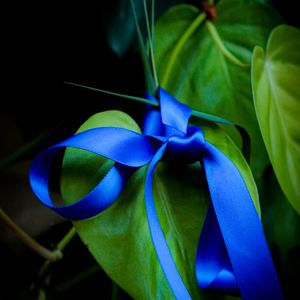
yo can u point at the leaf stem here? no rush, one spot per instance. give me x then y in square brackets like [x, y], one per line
[219, 43]
[60, 246]
[148, 74]
[179, 45]
[29, 241]
[195, 113]
[152, 19]
[150, 38]
[134, 98]
[66, 239]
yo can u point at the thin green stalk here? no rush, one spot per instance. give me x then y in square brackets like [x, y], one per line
[134, 98]
[29, 241]
[66, 239]
[60, 246]
[152, 20]
[148, 73]
[246, 147]
[210, 117]
[181, 42]
[150, 44]
[195, 113]
[219, 43]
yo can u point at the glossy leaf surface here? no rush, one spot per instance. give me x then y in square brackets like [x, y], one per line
[202, 76]
[276, 90]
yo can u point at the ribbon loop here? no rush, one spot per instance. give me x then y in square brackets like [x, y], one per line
[173, 113]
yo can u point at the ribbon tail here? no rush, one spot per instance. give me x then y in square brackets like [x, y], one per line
[213, 266]
[241, 229]
[160, 245]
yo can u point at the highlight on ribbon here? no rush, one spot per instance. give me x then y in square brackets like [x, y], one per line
[232, 253]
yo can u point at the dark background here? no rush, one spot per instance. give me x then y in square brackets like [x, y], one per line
[44, 44]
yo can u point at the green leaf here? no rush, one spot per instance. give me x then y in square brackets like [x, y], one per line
[202, 75]
[119, 24]
[276, 90]
[119, 237]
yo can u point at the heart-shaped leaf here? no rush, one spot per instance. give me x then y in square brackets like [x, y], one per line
[119, 237]
[276, 90]
[193, 68]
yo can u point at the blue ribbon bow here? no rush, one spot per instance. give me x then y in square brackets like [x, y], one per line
[232, 255]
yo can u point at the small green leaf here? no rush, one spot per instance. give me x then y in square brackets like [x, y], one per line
[207, 72]
[276, 90]
[119, 237]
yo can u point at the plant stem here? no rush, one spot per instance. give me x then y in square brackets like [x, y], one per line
[210, 117]
[60, 246]
[152, 20]
[186, 35]
[148, 74]
[195, 113]
[66, 239]
[219, 43]
[138, 99]
[150, 38]
[29, 241]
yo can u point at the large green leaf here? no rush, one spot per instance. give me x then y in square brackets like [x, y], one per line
[276, 91]
[201, 76]
[119, 238]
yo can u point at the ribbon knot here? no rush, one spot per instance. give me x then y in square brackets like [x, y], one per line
[186, 148]
[232, 253]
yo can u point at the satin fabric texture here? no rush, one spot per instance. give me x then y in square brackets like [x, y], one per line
[232, 256]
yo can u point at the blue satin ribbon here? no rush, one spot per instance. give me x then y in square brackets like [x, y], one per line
[232, 255]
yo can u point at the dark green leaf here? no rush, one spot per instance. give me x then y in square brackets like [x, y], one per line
[206, 79]
[119, 237]
[120, 26]
[281, 222]
[276, 89]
